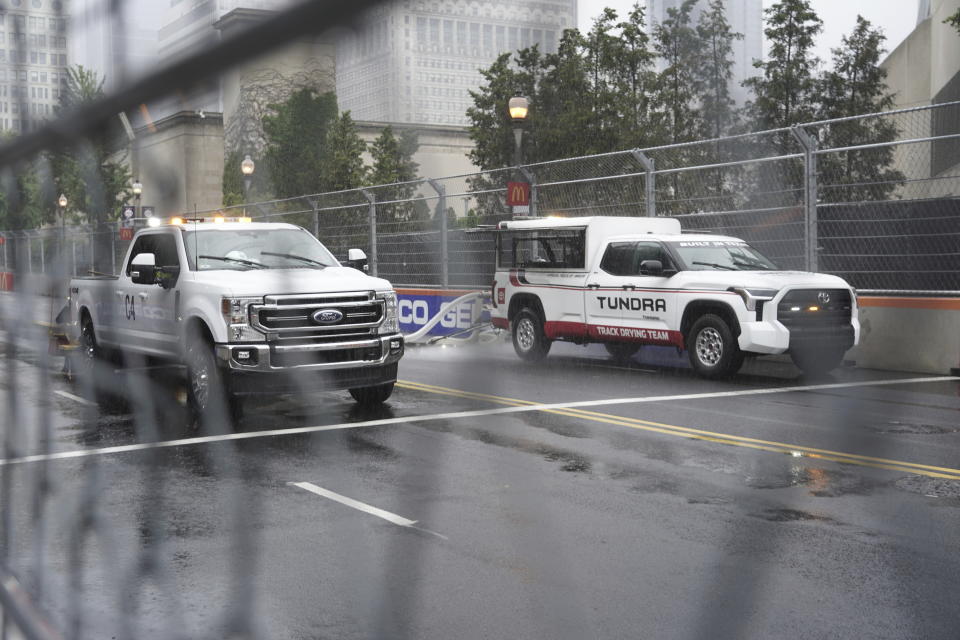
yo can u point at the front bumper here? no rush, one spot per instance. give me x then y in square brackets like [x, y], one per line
[771, 337]
[373, 352]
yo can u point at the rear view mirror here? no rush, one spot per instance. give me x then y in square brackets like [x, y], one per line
[143, 268]
[357, 259]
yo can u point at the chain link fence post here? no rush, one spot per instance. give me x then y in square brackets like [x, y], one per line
[809, 144]
[649, 181]
[372, 220]
[444, 251]
[315, 207]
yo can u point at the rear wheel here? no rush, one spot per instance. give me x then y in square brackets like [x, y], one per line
[529, 340]
[372, 396]
[817, 361]
[712, 348]
[93, 370]
[621, 351]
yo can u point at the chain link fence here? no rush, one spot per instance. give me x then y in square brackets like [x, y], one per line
[874, 199]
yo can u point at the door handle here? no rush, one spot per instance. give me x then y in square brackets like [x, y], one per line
[630, 287]
[593, 286]
[143, 295]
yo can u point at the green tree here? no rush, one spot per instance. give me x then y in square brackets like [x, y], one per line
[393, 165]
[678, 84]
[785, 90]
[342, 165]
[94, 183]
[296, 134]
[856, 85]
[716, 70]
[634, 82]
[954, 20]
[233, 192]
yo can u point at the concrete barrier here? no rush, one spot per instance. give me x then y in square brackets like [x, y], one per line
[909, 334]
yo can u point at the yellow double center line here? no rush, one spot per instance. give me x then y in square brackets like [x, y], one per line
[699, 434]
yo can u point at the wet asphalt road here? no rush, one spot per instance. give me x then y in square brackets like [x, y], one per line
[749, 511]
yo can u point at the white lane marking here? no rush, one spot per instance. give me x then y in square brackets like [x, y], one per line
[455, 415]
[354, 504]
[70, 396]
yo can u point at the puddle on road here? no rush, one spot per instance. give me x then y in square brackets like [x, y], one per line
[910, 428]
[949, 490]
[820, 482]
[789, 515]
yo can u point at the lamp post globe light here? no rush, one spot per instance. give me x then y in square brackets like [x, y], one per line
[518, 108]
[246, 168]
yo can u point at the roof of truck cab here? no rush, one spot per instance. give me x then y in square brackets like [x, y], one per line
[189, 225]
[606, 225]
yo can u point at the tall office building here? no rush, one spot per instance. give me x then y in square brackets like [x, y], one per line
[33, 62]
[745, 17]
[117, 46]
[416, 60]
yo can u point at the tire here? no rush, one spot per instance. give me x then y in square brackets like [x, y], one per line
[207, 400]
[92, 371]
[817, 361]
[372, 396]
[712, 348]
[529, 340]
[621, 351]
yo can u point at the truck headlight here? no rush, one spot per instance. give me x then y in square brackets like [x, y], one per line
[390, 322]
[236, 314]
[752, 296]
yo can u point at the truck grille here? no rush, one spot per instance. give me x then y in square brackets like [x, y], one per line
[281, 358]
[348, 314]
[815, 309]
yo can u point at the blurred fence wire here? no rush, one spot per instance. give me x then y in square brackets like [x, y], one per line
[884, 214]
[873, 198]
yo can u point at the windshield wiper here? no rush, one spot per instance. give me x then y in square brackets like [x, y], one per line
[252, 263]
[715, 265]
[295, 257]
[754, 265]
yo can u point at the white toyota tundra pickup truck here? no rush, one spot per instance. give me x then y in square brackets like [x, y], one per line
[248, 308]
[626, 282]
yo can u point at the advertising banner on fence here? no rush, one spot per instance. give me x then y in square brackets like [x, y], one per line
[417, 307]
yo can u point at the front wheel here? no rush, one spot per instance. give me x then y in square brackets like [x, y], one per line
[817, 362]
[712, 348]
[372, 396]
[529, 340]
[207, 402]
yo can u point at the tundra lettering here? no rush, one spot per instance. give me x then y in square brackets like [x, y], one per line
[633, 304]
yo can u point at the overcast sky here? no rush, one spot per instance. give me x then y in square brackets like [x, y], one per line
[897, 18]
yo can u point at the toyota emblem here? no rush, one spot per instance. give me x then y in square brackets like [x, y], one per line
[823, 297]
[327, 316]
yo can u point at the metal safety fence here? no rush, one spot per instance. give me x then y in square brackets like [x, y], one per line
[874, 199]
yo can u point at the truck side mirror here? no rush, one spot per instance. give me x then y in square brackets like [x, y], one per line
[651, 268]
[143, 268]
[357, 259]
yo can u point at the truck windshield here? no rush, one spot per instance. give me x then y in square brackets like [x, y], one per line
[721, 255]
[240, 250]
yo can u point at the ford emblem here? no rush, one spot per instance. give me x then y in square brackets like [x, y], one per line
[823, 297]
[327, 316]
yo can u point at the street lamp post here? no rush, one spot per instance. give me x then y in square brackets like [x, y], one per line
[62, 203]
[246, 168]
[137, 188]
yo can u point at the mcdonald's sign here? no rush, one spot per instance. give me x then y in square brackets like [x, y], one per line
[518, 194]
[126, 234]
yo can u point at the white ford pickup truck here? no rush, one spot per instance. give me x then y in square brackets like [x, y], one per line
[247, 308]
[626, 282]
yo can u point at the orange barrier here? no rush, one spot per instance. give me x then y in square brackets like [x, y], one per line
[6, 281]
[942, 304]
